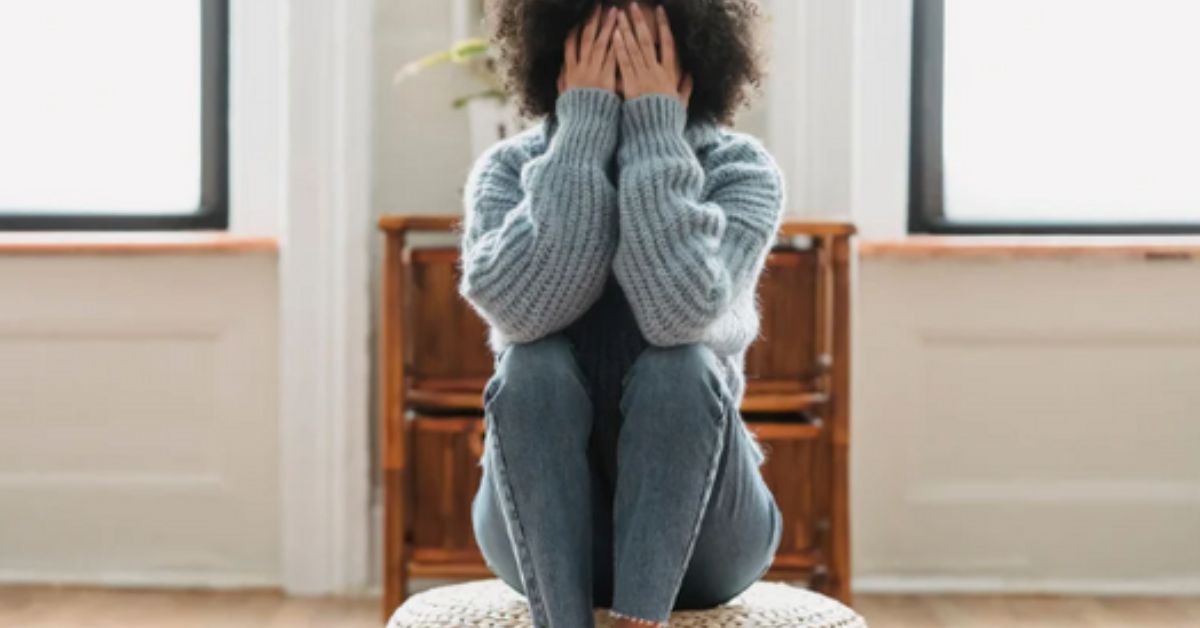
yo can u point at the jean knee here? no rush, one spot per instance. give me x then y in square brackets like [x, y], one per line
[543, 367]
[687, 364]
[708, 583]
[711, 591]
[539, 390]
[690, 372]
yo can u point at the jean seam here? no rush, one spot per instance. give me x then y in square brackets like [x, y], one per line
[705, 495]
[724, 404]
[524, 560]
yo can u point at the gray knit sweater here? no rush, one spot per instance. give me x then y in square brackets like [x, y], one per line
[683, 215]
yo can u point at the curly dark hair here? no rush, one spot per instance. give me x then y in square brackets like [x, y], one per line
[717, 41]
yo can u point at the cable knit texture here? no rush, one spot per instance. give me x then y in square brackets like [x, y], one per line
[683, 215]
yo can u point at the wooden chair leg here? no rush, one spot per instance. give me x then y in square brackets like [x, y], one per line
[395, 570]
[393, 428]
[840, 517]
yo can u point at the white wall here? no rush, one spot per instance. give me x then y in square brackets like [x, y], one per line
[810, 109]
[138, 419]
[1027, 425]
[421, 143]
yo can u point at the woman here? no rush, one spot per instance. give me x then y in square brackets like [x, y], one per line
[614, 251]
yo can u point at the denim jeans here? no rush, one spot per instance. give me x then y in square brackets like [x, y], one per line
[682, 520]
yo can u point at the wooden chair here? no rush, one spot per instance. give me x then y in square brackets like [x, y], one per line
[435, 362]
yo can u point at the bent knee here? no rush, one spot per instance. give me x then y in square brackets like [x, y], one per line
[709, 593]
[545, 353]
[678, 367]
[541, 372]
[677, 384]
[718, 584]
[545, 364]
[491, 536]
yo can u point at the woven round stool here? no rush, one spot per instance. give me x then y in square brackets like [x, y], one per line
[493, 603]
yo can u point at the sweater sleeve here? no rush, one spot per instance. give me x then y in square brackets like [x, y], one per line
[539, 233]
[692, 237]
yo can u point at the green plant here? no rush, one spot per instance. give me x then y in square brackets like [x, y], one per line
[474, 54]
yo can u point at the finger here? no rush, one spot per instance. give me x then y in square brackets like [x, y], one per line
[571, 50]
[628, 71]
[632, 51]
[645, 38]
[666, 40]
[589, 35]
[604, 41]
[609, 68]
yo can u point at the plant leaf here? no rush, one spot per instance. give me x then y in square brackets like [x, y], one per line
[496, 94]
[424, 63]
[468, 49]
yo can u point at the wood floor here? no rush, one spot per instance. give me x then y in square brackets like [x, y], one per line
[43, 607]
[986, 611]
[40, 607]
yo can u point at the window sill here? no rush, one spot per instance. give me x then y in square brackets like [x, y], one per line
[1033, 246]
[131, 242]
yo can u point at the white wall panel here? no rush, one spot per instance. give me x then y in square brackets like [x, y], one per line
[138, 419]
[1028, 424]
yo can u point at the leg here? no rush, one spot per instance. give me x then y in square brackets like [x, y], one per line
[675, 424]
[741, 531]
[491, 534]
[538, 477]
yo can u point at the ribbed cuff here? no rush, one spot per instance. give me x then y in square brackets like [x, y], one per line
[652, 125]
[588, 119]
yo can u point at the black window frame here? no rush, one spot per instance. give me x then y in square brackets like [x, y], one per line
[926, 198]
[213, 209]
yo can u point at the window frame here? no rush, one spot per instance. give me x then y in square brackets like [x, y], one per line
[926, 199]
[213, 209]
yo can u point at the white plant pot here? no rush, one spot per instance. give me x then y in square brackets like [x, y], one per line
[491, 121]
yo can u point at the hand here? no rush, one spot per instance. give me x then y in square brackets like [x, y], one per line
[588, 56]
[643, 69]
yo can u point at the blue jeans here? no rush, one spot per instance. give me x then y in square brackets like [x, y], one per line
[683, 520]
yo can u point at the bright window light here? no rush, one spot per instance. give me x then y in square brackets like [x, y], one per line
[1072, 111]
[101, 106]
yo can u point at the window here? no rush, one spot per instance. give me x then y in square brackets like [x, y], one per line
[1055, 116]
[113, 114]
